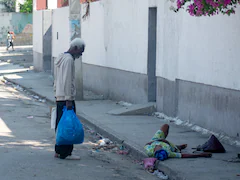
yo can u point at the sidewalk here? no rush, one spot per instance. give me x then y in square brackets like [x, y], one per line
[138, 130]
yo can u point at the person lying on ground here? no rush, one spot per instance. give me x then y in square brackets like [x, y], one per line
[162, 149]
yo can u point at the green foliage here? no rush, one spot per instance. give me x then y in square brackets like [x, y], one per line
[9, 5]
[26, 7]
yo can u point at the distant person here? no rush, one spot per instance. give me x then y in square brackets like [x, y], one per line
[65, 89]
[10, 38]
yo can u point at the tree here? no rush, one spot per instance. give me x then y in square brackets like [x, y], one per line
[207, 7]
[9, 5]
[26, 7]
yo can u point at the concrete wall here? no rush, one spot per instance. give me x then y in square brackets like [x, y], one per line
[60, 31]
[114, 37]
[20, 23]
[42, 40]
[197, 60]
[2, 8]
[37, 39]
[196, 66]
[111, 37]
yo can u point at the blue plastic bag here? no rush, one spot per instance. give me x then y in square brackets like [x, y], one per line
[161, 155]
[69, 130]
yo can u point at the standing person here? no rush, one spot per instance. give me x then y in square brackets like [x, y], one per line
[65, 91]
[10, 38]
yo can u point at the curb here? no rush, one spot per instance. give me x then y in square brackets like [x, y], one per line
[107, 132]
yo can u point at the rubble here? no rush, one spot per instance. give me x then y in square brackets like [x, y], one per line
[125, 104]
[104, 144]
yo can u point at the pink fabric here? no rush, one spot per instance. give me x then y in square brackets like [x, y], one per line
[149, 162]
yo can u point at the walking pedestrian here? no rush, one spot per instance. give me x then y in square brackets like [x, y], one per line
[65, 90]
[10, 38]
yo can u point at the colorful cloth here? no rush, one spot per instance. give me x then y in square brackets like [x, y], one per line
[171, 149]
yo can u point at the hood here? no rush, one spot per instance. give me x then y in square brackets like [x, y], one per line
[61, 58]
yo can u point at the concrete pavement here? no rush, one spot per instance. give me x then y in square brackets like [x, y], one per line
[135, 131]
[27, 147]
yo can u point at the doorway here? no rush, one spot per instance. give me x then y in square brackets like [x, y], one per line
[152, 54]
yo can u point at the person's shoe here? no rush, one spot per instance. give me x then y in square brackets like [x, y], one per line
[73, 157]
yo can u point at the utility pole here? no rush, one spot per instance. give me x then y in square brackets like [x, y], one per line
[75, 32]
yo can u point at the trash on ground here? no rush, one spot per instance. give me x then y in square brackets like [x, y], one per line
[122, 103]
[233, 160]
[160, 174]
[19, 88]
[30, 117]
[42, 100]
[103, 142]
[36, 97]
[123, 152]
[8, 83]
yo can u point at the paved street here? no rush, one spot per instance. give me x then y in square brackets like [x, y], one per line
[27, 146]
[28, 143]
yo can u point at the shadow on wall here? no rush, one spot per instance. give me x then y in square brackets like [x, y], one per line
[20, 24]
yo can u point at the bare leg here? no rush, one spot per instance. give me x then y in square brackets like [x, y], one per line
[206, 155]
[165, 129]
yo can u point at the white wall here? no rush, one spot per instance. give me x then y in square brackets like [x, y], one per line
[52, 4]
[198, 49]
[61, 25]
[213, 57]
[37, 31]
[116, 35]
[6, 19]
[2, 8]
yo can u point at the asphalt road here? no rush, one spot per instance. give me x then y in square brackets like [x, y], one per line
[27, 147]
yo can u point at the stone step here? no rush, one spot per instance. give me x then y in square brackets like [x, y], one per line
[137, 109]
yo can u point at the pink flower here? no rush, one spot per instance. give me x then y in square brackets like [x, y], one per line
[209, 7]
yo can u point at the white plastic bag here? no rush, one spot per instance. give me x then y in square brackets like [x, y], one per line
[53, 118]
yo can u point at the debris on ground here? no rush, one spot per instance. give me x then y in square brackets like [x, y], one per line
[36, 97]
[42, 100]
[233, 160]
[7, 82]
[125, 104]
[160, 174]
[19, 88]
[137, 162]
[104, 144]
[123, 152]
[30, 117]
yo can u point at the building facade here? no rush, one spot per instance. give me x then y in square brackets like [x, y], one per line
[140, 51]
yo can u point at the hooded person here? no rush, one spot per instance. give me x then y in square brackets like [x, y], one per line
[65, 89]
